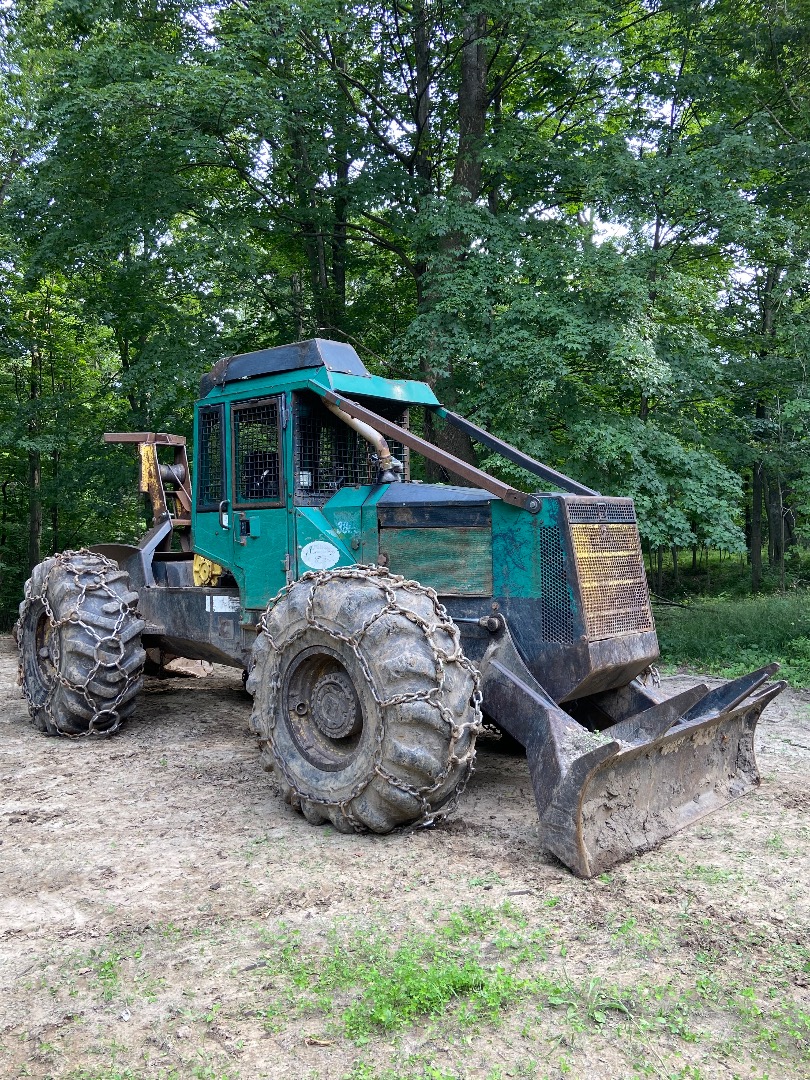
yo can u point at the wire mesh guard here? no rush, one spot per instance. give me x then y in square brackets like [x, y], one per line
[329, 454]
[211, 473]
[255, 429]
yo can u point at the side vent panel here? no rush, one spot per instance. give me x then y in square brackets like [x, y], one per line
[557, 619]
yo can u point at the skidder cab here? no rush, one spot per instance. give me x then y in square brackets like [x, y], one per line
[381, 614]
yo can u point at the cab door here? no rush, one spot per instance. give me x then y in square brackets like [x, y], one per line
[211, 524]
[258, 513]
[241, 513]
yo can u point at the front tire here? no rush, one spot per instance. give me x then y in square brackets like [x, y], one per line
[366, 709]
[79, 641]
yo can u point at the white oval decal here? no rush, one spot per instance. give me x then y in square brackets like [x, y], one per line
[319, 555]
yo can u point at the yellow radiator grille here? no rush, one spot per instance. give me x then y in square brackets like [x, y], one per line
[612, 580]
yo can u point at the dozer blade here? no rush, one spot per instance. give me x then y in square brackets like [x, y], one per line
[605, 796]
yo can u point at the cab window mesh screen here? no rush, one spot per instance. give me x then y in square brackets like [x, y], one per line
[255, 432]
[329, 454]
[210, 459]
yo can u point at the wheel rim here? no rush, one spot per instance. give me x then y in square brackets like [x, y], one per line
[322, 709]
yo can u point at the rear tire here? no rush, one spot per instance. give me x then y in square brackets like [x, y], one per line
[79, 640]
[366, 709]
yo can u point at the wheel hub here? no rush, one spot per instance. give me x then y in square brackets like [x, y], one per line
[322, 709]
[334, 706]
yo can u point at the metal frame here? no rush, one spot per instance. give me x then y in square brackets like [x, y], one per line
[153, 478]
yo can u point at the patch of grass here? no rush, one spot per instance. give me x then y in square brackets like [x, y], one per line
[731, 636]
[479, 961]
[361, 1070]
[727, 991]
[641, 940]
[115, 1072]
[110, 1073]
[421, 978]
[486, 880]
[386, 985]
[712, 875]
[104, 965]
[201, 1070]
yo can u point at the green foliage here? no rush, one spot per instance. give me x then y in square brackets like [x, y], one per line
[601, 256]
[733, 636]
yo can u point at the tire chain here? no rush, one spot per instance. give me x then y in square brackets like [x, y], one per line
[387, 583]
[119, 607]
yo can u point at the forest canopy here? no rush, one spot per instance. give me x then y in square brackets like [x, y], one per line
[585, 224]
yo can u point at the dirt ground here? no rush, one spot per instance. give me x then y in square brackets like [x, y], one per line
[164, 915]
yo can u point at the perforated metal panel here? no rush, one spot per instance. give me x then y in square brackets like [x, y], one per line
[596, 510]
[210, 459]
[611, 575]
[256, 456]
[557, 620]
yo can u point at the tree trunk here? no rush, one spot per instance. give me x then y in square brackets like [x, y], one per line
[421, 110]
[34, 463]
[493, 195]
[298, 305]
[768, 495]
[455, 442]
[756, 527]
[472, 111]
[747, 497]
[55, 501]
[759, 494]
[778, 529]
[34, 508]
[775, 522]
[4, 517]
[340, 209]
[472, 105]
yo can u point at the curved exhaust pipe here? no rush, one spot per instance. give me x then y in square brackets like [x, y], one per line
[370, 435]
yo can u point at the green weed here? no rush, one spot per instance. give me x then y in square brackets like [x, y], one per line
[421, 978]
[105, 967]
[488, 879]
[115, 1072]
[361, 1070]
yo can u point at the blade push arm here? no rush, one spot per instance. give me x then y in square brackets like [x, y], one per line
[434, 453]
[545, 472]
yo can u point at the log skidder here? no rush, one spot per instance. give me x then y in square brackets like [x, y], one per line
[404, 610]
[365, 706]
[79, 639]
